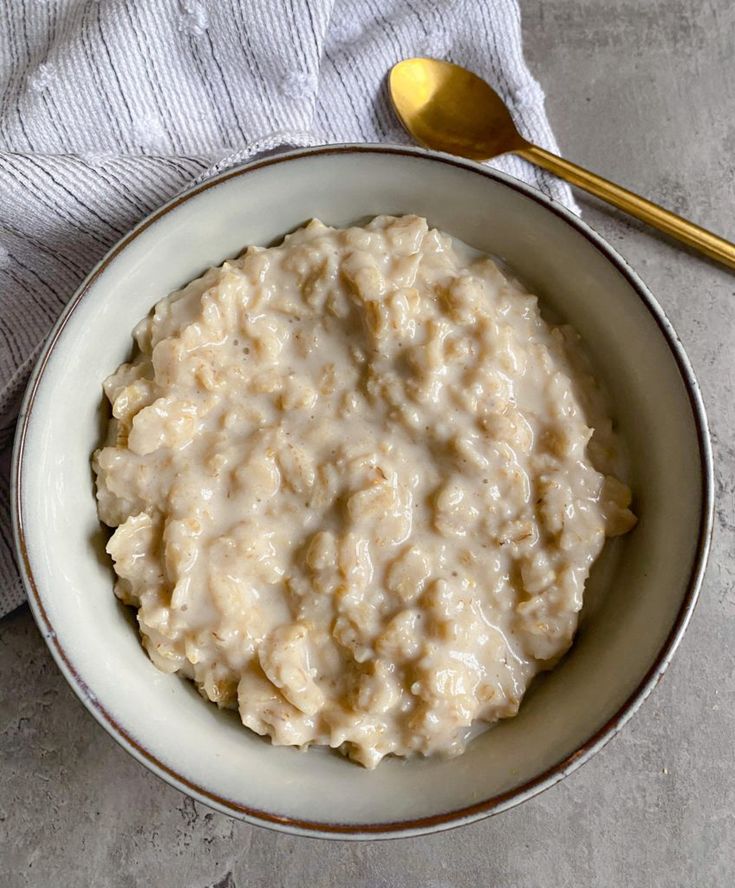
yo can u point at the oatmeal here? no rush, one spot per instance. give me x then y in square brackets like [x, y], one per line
[355, 489]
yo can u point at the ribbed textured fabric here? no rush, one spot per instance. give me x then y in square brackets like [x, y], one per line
[110, 107]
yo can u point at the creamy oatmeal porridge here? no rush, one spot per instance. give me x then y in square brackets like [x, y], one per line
[355, 489]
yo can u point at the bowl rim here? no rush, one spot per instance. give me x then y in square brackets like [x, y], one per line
[447, 819]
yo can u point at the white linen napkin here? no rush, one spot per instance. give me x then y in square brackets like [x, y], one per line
[110, 107]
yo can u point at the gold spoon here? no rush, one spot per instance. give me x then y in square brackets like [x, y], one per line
[450, 109]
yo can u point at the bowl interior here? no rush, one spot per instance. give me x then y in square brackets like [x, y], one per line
[639, 587]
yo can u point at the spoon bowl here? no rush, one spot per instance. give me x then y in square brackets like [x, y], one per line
[448, 108]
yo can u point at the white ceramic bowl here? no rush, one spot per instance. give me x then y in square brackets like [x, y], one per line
[640, 597]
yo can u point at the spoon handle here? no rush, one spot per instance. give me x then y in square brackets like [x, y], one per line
[708, 243]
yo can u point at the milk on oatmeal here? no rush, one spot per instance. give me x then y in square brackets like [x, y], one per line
[355, 488]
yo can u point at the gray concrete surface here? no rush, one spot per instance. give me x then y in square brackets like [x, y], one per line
[644, 93]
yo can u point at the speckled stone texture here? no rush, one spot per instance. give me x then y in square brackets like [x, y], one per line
[641, 91]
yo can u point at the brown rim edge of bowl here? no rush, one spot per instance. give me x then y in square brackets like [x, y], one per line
[501, 801]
